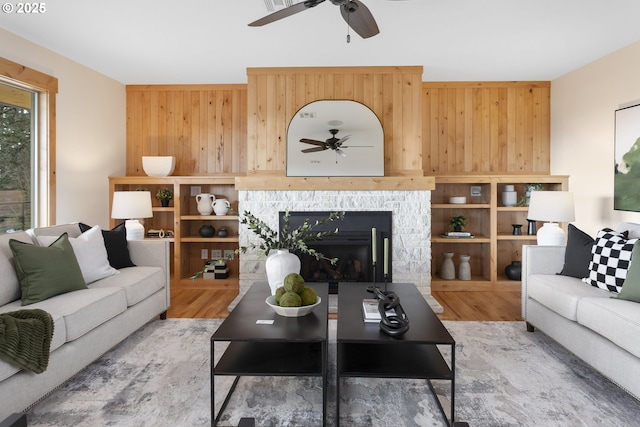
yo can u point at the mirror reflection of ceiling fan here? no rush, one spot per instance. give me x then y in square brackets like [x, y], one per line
[354, 12]
[332, 143]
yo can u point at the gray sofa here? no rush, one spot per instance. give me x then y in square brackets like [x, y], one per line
[601, 330]
[87, 322]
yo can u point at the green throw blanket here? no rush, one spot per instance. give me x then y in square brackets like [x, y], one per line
[25, 339]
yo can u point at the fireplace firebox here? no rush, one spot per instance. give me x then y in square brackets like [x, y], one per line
[352, 246]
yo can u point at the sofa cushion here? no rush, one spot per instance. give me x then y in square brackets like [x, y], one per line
[90, 253]
[72, 230]
[46, 271]
[9, 285]
[115, 241]
[611, 257]
[561, 293]
[59, 338]
[578, 253]
[86, 309]
[615, 319]
[138, 282]
[631, 287]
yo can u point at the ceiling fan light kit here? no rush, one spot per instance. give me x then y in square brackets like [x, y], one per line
[354, 12]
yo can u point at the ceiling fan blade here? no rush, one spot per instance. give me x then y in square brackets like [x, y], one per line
[314, 149]
[357, 146]
[359, 18]
[313, 142]
[343, 139]
[283, 13]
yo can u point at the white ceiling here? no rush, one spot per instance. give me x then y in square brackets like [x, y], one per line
[208, 41]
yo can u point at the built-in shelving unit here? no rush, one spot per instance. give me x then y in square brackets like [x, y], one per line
[493, 246]
[184, 221]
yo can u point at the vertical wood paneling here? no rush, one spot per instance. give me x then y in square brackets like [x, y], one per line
[485, 127]
[204, 126]
[392, 93]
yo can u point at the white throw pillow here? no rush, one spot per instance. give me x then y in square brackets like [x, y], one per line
[90, 252]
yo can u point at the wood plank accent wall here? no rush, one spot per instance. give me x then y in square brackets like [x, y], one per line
[204, 126]
[486, 127]
[392, 93]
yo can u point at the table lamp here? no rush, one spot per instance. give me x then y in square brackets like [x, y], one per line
[553, 207]
[132, 206]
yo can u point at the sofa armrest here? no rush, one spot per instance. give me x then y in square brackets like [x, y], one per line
[152, 253]
[539, 260]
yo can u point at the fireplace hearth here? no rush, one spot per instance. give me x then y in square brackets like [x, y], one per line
[352, 246]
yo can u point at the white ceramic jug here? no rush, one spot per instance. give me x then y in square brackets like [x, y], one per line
[205, 203]
[221, 206]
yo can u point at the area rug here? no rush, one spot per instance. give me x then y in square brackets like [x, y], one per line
[506, 376]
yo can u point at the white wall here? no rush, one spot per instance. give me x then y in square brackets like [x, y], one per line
[583, 103]
[91, 130]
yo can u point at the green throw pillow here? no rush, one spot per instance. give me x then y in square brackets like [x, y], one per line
[45, 272]
[631, 286]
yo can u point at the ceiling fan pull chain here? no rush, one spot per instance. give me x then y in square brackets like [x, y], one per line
[348, 37]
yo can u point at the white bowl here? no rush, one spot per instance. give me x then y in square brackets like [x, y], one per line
[158, 165]
[290, 311]
[460, 200]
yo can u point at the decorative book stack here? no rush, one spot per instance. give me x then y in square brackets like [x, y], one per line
[216, 270]
[458, 234]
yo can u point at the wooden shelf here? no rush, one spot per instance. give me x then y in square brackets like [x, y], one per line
[494, 246]
[183, 219]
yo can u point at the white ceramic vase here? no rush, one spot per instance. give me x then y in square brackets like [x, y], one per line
[447, 269]
[279, 263]
[464, 270]
[221, 206]
[205, 203]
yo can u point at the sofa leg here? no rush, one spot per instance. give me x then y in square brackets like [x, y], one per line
[530, 327]
[163, 315]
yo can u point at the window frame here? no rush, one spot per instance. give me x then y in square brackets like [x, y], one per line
[46, 88]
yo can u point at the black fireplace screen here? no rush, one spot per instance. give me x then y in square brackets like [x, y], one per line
[352, 246]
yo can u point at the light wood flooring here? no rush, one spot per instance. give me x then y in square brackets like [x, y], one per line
[476, 305]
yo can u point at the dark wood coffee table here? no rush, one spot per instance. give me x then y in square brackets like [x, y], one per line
[291, 346]
[365, 351]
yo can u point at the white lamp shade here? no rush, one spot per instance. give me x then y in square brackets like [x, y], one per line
[131, 205]
[551, 206]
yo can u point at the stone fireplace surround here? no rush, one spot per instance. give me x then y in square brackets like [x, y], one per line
[411, 240]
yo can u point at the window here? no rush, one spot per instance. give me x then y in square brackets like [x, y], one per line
[17, 155]
[27, 147]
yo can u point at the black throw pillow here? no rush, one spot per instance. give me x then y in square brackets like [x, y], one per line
[577, 255]
[115, 241]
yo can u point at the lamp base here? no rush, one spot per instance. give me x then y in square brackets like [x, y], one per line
[551, 235]
[135, 230]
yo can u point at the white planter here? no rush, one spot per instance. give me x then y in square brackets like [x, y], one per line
[278, 265]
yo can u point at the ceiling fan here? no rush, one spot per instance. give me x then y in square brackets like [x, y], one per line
[331, 143]
[354, 12]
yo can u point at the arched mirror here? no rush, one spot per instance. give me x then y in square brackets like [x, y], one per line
[335, 138]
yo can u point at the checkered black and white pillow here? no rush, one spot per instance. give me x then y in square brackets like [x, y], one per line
[610, 260]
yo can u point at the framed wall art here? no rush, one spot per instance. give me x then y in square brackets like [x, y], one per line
[626, 193]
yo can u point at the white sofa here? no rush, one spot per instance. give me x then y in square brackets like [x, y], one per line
[601, 330]
[87, 322]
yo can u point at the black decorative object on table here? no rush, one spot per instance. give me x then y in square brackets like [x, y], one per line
[395, 324]
[514, 270]
[207, 231]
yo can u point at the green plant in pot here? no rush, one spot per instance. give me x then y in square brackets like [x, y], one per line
[164, 195]
[457, 222]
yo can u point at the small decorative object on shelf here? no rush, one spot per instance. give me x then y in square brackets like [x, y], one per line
[517, 229]
[514, 270]
[524, 201]
[531, 227]
[205, 203]
[216, 270]
[221, 206]
[447, 269]
[222, 232]
[464, 270]
[457, 222]
[509, 196]
[164, 195]
[207, 231]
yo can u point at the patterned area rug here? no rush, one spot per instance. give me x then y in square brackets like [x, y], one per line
[506, 376]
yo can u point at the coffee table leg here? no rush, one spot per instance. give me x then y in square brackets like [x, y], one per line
[453, 383]
[325, 382]
[337, 384]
